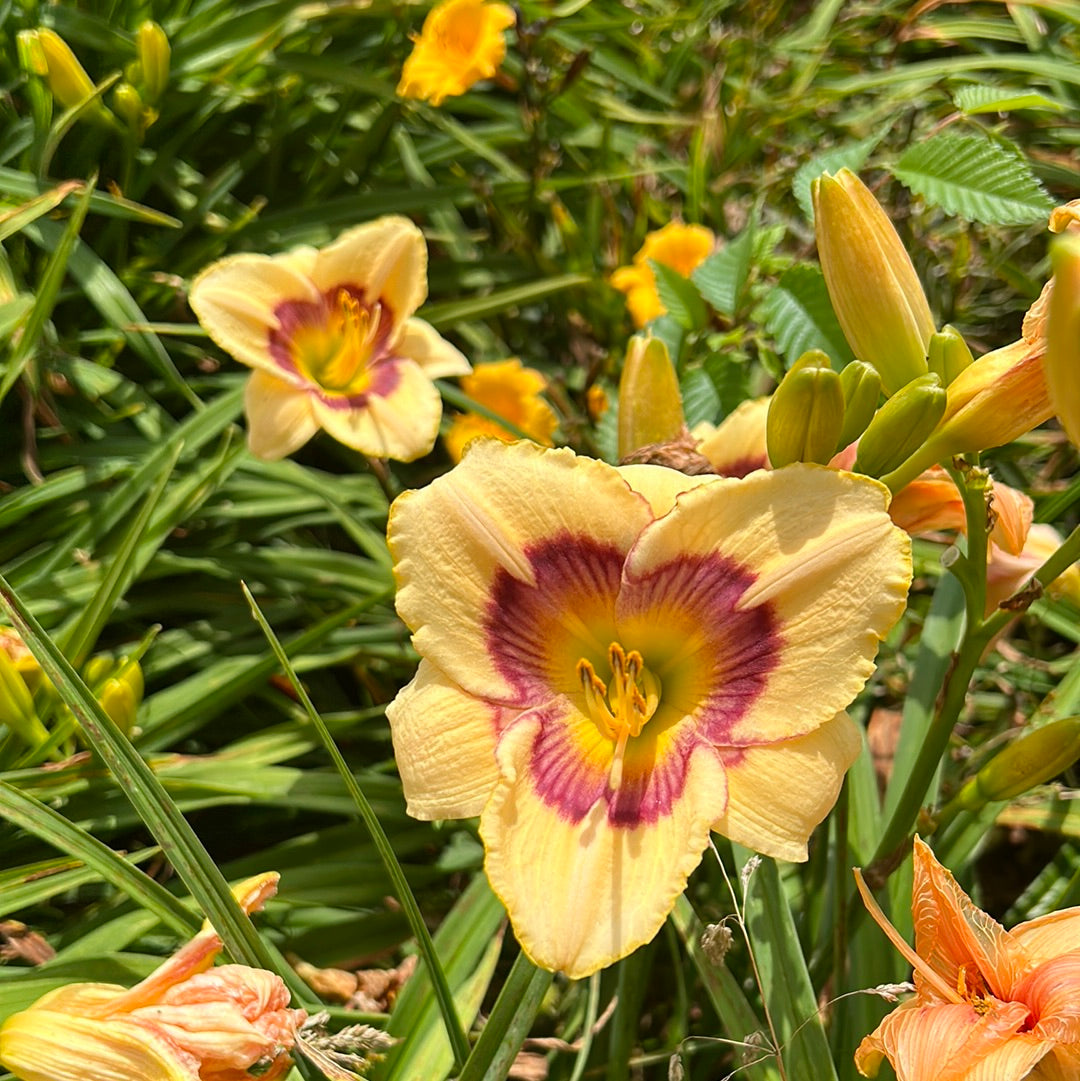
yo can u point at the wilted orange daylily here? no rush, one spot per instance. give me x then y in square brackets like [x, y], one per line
[616, 661]
[332, 338]
[187, 1021]
[513, 392]
[990, 1004]
[682, 247]
[461, 43]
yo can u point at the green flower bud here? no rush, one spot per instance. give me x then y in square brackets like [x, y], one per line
[948, 354]
[861, 385]
[1063, 335]
[152, 49]
[650, 406]
[901, 426]
[31, 54]
[806, 413]
[1031, 760]
[16, 704]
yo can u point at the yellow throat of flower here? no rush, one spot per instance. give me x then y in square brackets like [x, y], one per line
[621, 709]
[337, 353]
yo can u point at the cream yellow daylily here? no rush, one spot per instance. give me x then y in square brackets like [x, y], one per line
[736, 446]
[616, 661]
[187, 1021]
[331, 335]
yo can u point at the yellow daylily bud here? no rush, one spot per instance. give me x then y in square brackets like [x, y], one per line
[152, 49]
[948, 354]
[118, 687]
[901, 426]
[806, 413]
[17, 705]
[861, 385]
[67, 78]
[31, 54]
[1031, 760]
[650, 406]
[1062, 361]
[872, 283]
[128, 104]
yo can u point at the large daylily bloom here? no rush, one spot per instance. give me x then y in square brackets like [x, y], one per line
[187, 1021]
[615, 661]
[331, 337]
[990, 1004]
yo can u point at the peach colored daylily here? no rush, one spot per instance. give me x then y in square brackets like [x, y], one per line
[681, 247]
[461, 43]
[990, 1004]
[513, 392]
[331, 335]
[187, 1021]
[1007, 573]
[616, 661]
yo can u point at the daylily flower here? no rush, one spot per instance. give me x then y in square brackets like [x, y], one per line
[736, 446]
[615, 661]
[682, 247]
[187, 1021]
[990, 1004]
[331, 337]
[461, 43]
[1007, 573]
[513, 392]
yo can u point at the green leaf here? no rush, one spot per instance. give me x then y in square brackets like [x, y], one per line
[720, 279]
[851, 156]
[680, 298]
[700, 400]
[975, 99]
[799, 316]
[974, 178]
[456, 311]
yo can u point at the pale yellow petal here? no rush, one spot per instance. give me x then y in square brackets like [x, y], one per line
[1050, 935]
[386, 258]
[421, 342]
[736, 446]
[401, 425]
[280, 417]
[452, 539]
[444, 745]
[661, 486]
[581, 894]
[236, 297]
[778, 793]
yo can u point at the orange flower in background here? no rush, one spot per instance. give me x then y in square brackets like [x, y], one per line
[461, 43]
[511, 391]
[187, 1021]
[682, 247]
[331, 335]
[990, 1004]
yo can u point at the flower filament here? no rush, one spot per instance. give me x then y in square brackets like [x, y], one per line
[622, 708]
[337, 353]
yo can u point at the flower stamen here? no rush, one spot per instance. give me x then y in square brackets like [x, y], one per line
[337, 354]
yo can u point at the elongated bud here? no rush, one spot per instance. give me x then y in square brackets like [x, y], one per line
[154, 54]
[650, 406]
[948, 354]
[16, 704]
[861, 385]
[67, 78]
[901, 426]
[806, 413]
[118, 687]
[32, 57]
[128, 104]
[1033, 759]
[872, 283]
[1062, 361]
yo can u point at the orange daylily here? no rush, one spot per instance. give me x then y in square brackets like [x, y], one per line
[990, 1004]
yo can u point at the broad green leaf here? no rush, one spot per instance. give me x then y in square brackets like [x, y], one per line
[700, 399]
[849, 156]
[679, 297]
[721, 278]
[975, 178]
[799, 316]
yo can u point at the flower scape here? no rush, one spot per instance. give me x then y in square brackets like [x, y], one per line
[589, 491]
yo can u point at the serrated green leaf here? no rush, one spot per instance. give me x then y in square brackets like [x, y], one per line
[851, 156]
[974, 178]
[975, 99]
[678, 295]
[799, 316]
[721, 277]
[700, 399]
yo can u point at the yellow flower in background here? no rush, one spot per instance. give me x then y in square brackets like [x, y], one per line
[512, 391]
[187, 1021]
[331, 335]
[990, 1004]
[461, 43]
[682, 247]
[616, 661]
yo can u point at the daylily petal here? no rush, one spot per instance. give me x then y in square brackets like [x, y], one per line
[1050, 935]
[822, 586]
[235, 300]
[807, 770]
[386, 258]
[615, 883]
[1050, 989]
[952, 1043]
[421, 342]
[1062, 1063]
[444, 744]
[280, 417]
[661, 486]
[736, 446]
[509, 517]
[400, 423]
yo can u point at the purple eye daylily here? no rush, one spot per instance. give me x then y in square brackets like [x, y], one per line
[615, 661]
[331, 335]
